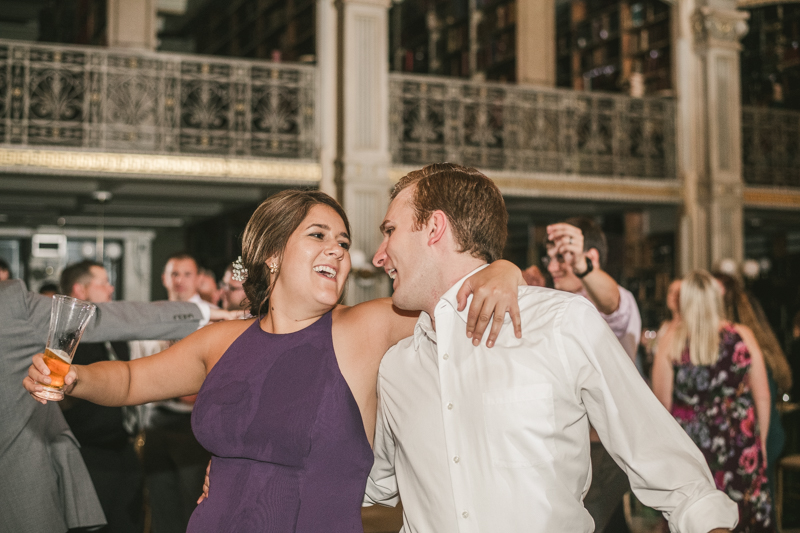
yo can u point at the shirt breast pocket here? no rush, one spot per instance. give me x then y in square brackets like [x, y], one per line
[520, 424]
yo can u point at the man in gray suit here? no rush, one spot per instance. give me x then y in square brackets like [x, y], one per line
[45, 485]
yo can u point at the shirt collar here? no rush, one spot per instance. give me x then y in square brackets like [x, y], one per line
[424, 326]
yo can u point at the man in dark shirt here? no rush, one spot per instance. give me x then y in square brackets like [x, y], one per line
[105, 433]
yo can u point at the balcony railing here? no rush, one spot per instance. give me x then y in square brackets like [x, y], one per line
[116, 100]
[771, 147]
[507, 127]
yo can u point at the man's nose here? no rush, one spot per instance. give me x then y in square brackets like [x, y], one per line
[552, 265]
[379, 259]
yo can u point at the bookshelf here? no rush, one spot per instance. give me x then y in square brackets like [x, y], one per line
[613, 45]
[476, 39]
[770, 60]
[265, 29]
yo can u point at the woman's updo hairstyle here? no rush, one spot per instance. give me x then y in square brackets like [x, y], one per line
[266, 236]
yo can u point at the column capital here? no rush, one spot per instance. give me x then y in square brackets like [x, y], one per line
[719, 28]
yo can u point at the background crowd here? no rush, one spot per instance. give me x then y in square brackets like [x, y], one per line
[715, 364]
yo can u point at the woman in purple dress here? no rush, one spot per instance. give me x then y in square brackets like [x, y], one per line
[287, 400]
[711, 375]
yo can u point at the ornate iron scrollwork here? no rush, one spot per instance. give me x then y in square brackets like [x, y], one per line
[100, 99]
[521, 129]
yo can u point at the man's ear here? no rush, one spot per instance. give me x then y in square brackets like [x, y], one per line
[437, 226]
[78, 291]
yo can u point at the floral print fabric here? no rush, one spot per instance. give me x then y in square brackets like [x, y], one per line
[715, 407]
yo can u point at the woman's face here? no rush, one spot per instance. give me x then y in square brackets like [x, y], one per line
[316, 261]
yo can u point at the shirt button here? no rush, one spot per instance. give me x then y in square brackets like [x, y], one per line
[465, 514]
[446, 357]
[450, 405]
[456, 459]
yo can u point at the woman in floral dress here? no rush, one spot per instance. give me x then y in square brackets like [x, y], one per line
[710, 374]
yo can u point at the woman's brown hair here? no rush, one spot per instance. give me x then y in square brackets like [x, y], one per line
[266, 236]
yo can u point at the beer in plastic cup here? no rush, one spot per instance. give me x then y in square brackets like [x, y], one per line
[68, 320]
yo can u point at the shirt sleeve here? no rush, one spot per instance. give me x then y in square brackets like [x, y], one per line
[205, 311]
[382, 480]
[666, 470]
[626, 322]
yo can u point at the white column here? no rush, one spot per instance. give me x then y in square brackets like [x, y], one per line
[536, 42]
[327, 92]
[136, 265]
[132, 24]
[363, 156]
[709, 130]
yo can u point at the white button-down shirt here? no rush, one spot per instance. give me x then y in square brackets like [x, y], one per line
[497, 440]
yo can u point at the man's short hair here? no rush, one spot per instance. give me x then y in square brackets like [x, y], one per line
[472, 202]
[593, 236]
[180, 256]
[49, 288]
[4, 265]
[80, 273]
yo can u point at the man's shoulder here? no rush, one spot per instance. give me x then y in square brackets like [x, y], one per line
[13, 295]
[12, 286]
[541, 300]
[404, 348]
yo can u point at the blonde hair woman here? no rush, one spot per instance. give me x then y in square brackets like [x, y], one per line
[710, 374]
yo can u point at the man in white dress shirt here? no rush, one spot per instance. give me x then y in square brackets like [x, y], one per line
[497, 440]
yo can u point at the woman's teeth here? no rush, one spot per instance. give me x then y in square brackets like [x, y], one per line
[326, 271]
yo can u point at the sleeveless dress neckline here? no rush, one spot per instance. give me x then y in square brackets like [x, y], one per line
[311, 325]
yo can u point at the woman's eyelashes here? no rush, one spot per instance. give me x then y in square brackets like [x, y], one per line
[321, 236]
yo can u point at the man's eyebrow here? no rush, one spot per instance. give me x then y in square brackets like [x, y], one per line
[384, 225]
[327, 228]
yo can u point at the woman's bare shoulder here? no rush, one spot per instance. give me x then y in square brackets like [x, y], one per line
[224, 332]
[365, 313]
[745, 332]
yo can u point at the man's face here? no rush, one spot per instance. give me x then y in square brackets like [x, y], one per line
[98, 290]
[180, 279]
[233, 295]
[563, 278]
[403, 254]
[207, 288]
[5, 275]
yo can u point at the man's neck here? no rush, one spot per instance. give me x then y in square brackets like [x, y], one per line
[454, 269]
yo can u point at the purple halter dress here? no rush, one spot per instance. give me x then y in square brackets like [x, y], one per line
[290, 453]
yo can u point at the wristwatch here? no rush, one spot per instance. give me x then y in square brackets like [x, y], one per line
[589, 268]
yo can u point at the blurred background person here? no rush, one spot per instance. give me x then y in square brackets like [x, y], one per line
[742, 309]
[48, 289]
[233, 297]
[207, 286]
[106, 434]
[174, 462]
[5, 270]
[710, 374]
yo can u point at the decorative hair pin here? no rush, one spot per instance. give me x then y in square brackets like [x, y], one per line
[239, 271]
